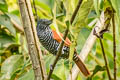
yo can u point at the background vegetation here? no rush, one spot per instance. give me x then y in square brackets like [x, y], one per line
[15, 62]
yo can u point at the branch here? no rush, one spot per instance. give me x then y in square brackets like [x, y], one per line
[40, 57]
[30, 39]
[114, 46]
[62, 43]
[105, 59]
[88, 46]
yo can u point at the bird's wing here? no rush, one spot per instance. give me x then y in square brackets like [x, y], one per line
[58, 38]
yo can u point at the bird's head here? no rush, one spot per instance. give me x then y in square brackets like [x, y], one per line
[43, 23]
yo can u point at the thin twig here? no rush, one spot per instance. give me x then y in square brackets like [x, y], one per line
[105, 59]
[75, 12]
[114, 47]
[96, 59]
[41, 62]
[34, 6]
[58, 55]
[17, 26]
[30, 39]
[62, 43]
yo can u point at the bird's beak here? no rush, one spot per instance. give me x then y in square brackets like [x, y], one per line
[50, 21]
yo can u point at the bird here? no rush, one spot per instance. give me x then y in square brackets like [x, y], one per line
[50, 40]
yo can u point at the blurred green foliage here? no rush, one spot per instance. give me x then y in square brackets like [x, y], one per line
[15, 62]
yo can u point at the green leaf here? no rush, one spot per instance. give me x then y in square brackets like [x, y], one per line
[55, 77]
[6, 39]
[97, 69]
[7, 42]
[15, 12]
[0, 59]
[60, 70]
[108, 36]
[5, 20]
[81, 17]
[15, 18]
[72, 48]
[2, 1]
[44, 7]
[82, 36]
[96, 6]
[49, 3]
[27, 76]
[116, 6]
[67, 24]
[83, 12]
[3, 6]
[10, 65]
[69, 5]
[49, 59]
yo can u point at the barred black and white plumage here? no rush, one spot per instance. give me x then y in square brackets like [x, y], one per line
[45, 36]
[47, 40]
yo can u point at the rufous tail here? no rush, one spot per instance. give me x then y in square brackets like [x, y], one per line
[81, 65]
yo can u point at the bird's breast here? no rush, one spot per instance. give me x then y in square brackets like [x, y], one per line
[48, 42]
